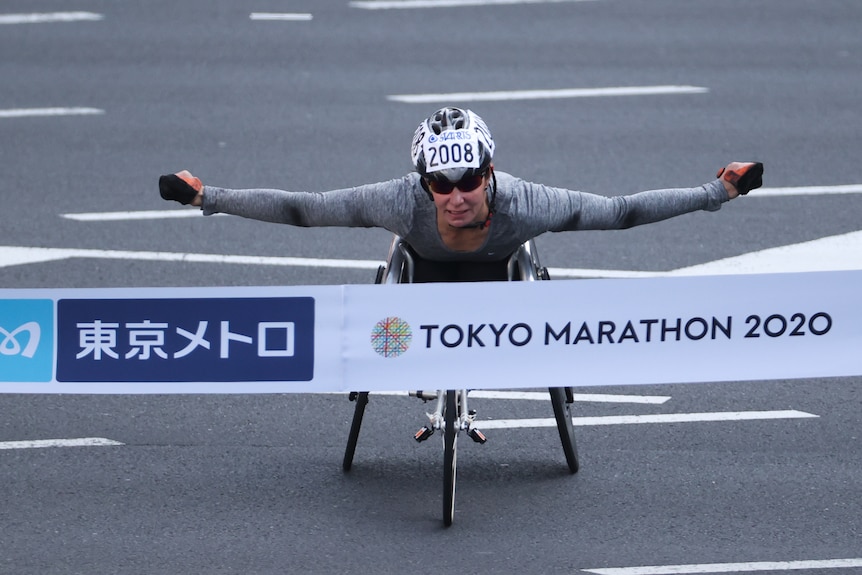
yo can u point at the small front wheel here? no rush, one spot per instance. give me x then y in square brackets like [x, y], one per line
[450, 455]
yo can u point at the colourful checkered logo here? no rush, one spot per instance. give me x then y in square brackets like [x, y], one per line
[391, 337]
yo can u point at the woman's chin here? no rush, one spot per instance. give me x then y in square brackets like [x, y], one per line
[459, 220]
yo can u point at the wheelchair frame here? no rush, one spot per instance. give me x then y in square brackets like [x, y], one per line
[451, 413]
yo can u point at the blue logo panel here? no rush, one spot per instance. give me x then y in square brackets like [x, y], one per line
[216, 339]
[26, 340]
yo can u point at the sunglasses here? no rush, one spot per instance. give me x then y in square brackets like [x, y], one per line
[468, 184]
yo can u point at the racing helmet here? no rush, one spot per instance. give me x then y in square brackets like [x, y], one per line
[452, 144]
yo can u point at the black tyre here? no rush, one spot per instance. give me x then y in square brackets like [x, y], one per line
[358, 412]
[361, 399]
[450, 456]
[563, 414]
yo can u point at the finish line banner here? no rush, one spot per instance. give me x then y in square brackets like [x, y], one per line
[492, 335]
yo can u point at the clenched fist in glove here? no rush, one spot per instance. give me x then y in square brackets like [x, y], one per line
[181, 187]
[739, 178]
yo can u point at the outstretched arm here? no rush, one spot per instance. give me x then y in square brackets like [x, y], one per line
[385, 204]
[583, 211]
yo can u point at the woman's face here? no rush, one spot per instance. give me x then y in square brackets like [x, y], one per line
[459, 207]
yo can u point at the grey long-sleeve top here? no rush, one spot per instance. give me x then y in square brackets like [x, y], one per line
[523, 211]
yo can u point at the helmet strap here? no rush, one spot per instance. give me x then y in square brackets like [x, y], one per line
[424, 185]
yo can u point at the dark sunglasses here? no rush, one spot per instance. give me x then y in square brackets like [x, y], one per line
[468, 184]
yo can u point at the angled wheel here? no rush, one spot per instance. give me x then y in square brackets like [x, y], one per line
[563, 414]
[450, 456]
[361, 399]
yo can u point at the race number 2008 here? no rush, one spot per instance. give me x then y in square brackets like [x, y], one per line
[452, 149]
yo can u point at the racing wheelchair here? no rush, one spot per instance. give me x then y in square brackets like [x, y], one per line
[451, 413]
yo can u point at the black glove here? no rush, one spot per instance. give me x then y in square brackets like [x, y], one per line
[746, 177]
[173, 187]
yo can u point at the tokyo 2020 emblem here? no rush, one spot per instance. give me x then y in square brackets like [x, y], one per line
[391, 337]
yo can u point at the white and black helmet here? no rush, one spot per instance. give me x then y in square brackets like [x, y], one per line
[452, 144]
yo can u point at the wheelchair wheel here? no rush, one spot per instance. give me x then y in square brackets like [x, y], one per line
[450, 456]
[361, 399]
[563, 414]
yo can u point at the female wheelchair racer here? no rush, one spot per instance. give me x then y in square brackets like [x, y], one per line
[456, 218]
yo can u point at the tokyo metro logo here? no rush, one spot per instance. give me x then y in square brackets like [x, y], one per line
[391, 337]
[26, 340]
[9, 344]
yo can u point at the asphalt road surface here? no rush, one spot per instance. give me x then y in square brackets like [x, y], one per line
[100, 98]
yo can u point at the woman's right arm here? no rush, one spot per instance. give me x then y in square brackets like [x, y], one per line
[385, 204]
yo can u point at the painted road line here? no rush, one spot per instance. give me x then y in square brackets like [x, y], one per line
[766, 193]
[583, 397]
[131, 216]
[46, 17]
[729, 567]
[545, 94]
[30, 112]
[401, 4]
[833, 253]
[39, 443]
[544, 396]
[279, 16]
[638, 419]
[586, 273]
[836, 253]
[18, 256]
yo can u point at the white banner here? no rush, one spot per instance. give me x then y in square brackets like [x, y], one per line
[491, 335]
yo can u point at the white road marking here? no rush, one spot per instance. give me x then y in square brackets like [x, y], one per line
[29, 112]
[397, 4]
[583, 397]
[835, 253]
[588, 273]
[283, 16]
[545, 94]
[19, 255]
[637, 419]
[46, 17]
[131, 216]
[766, 193]
[729, 567]
[544, 396]
[80, 442]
